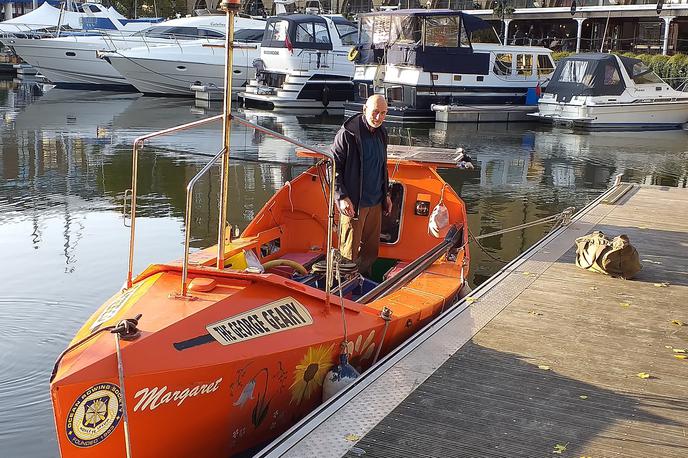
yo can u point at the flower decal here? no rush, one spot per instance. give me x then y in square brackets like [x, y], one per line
[310, 372]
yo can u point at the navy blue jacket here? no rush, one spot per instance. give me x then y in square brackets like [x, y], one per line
[347, 152]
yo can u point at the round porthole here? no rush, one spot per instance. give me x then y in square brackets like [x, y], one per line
[181, 68]
[70, 54]
[236, 72]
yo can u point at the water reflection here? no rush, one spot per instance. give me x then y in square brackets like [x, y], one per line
[65, 161]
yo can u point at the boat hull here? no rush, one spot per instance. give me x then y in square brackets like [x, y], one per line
[165, 77]
[657, 115]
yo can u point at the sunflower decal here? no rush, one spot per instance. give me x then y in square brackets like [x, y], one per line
[310, 372]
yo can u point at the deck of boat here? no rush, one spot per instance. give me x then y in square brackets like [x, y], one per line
[542, 361]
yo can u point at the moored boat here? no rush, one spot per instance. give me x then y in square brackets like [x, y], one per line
[227, 347]
[419, 58]
[599, 90]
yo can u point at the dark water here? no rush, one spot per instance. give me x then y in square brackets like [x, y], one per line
[65, 161]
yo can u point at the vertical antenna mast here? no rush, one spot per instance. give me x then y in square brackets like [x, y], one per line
[230, 7]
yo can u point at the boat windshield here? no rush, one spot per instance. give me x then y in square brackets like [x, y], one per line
[180, 33]
[445, 32]
[348, 33]
[641, 74]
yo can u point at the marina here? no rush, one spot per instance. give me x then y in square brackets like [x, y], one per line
[221, 236]
[543, 358]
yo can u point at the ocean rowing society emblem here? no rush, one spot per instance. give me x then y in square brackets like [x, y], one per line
[94, 415]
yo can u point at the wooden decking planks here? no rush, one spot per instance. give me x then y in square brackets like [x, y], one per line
[491, 395]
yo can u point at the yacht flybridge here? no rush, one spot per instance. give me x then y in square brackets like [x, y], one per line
[228, 347]
[608, 91]
[420, 58]
[303, 63]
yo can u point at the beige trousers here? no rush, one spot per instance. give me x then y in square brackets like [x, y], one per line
[359, 238]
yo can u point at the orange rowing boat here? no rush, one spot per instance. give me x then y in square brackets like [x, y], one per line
[226, 348]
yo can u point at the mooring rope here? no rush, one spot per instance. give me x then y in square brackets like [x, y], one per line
[559, 219]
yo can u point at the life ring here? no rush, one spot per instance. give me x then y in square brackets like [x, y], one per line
[354, 54]
[286, 262]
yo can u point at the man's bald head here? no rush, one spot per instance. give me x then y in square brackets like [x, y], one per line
[375, 110]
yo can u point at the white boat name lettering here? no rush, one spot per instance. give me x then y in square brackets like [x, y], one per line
[155, 397]
[277, 316]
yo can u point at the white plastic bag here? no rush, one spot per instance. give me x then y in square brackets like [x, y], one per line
[439, 221]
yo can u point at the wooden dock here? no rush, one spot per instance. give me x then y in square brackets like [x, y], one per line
[542, 360]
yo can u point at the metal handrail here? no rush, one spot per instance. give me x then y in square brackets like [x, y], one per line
[188, 213]
[138, 144]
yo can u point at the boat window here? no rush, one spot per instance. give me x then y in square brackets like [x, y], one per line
[304, 33]
[643, 75]
[405, 29]
[215, 34]
[322, 35]
[249, 35]
[363, 91]
[524, 64]
[348, 33]
[502, 65]
[442, 32]
[93, 8]
[611, 75]
[574, 71]
[395, 94]
[545, 65]
[375, 30]
[277, 31]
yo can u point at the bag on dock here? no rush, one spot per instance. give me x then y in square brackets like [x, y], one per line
[615, 257]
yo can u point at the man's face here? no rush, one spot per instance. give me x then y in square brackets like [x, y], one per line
[375, 111]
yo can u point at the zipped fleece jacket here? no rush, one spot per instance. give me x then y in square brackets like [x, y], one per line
[348, 152]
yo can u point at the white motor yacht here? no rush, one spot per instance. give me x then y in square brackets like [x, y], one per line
[303, 63]
[419, 58]
[83, 16]
[173, 69]
[72, 62]
[609, 91]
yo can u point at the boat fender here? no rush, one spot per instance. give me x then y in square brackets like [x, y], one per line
[326, 96]
[354, 54]
[339, 377]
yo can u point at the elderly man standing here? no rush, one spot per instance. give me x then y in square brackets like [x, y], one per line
[361, 182]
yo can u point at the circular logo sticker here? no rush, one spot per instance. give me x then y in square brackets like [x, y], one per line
[94, 415]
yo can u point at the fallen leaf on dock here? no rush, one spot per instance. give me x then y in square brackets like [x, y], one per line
[679, 350]
[664, 284]
[544, 367]
[624, 304]
[678, 322]
[559, 448]
[533, 312]
[583, 397]
[352, 437]
[643, 375]
[594, 288]
[681, 356]
[470, 299]
[668, 346]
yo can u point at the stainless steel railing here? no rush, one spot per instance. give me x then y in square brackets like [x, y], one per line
[138, 145]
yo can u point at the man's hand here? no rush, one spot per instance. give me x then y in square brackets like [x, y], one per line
[388, 206]
[346, 208]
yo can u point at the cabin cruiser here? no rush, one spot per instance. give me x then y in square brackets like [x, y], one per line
[72, 62]
[172, 69]
[303, 63]
[420, 58]
[608, 91]
[86, 16]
